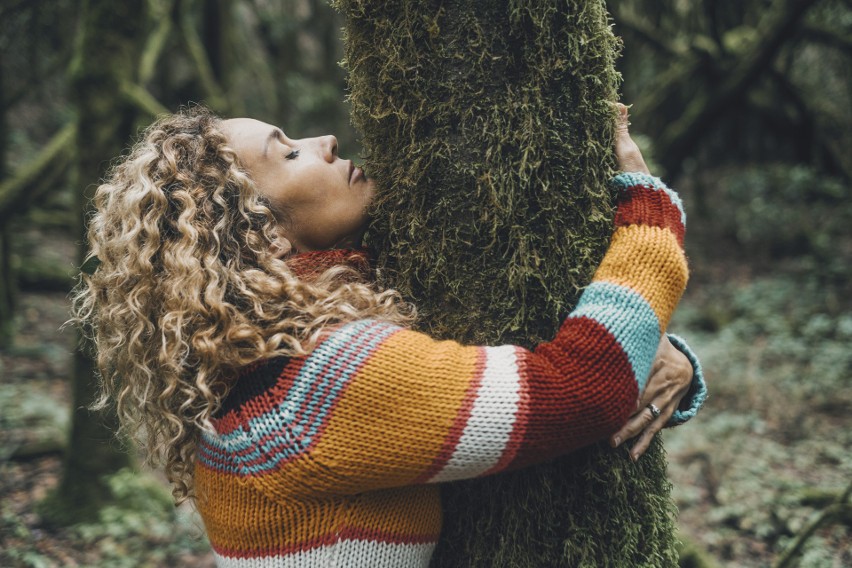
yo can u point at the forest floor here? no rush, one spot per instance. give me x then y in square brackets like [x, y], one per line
[769, 450]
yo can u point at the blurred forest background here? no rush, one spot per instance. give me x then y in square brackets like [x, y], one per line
[744, 105]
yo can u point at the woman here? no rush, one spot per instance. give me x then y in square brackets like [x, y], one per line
[239, 332]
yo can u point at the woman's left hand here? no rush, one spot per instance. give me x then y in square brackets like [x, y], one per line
[671, 375]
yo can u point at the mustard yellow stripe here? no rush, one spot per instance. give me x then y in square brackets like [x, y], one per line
[395, 414]
[391, 511]
[238, 517]
[649, 261]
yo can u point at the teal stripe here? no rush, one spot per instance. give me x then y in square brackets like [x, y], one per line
[624, 181]
[697, 393]
[294, 422]
[629, 318]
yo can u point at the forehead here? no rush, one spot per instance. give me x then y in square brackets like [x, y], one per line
[247, 136]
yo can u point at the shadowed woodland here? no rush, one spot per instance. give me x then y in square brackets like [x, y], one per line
[744, 106]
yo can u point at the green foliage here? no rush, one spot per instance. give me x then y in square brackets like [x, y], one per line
[785, 327]
[141, 523]
[776, 354]
[488, 128]
[139, 528]
[739, 81]
[787, 211]
[24, 416]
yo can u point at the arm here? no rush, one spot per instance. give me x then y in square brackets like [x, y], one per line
[377, 406]
[676, 386]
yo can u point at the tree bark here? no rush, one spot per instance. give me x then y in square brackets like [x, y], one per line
[488, 129]
[7, 277]
[108, 49]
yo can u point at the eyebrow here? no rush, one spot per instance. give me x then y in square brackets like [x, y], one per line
[276, 132]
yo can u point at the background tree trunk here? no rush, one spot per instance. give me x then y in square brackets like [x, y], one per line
[488, 129]
[7, 277]
[109, 44]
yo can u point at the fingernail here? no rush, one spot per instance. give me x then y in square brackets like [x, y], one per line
[616, 441]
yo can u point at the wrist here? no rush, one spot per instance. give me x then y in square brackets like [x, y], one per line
[695, 397]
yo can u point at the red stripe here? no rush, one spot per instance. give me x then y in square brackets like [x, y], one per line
[451, 440]
[642, 205]
[378, 535]
[267, 401]
[348, 534]
[227, 423]
[582, 390]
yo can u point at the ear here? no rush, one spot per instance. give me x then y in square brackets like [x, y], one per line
[281, 247]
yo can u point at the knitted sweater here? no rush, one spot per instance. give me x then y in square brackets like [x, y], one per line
[332, 459]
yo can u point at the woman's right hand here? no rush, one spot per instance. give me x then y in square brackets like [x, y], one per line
[671, 377]
[626, 151]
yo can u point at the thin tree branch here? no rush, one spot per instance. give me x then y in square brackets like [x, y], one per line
[836, 510]
[162, 11]
[648, 35]
[31, 181]
[214, 95]
[36, 450]
[143, 100]
[46, 277]
[679, 139]
[828, 36]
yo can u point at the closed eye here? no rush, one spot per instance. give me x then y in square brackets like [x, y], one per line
[292, 155]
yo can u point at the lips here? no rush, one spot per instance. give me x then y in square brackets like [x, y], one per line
[354, 173]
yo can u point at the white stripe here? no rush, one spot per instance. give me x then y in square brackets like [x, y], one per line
[492, 419]
[345, 554]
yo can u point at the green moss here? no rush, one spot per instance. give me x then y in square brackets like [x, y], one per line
[488, 130]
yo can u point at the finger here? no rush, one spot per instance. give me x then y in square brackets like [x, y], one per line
[636, 424]
[644, 441]
[622, 120]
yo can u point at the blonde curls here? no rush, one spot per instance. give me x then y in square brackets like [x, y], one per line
[187, 292]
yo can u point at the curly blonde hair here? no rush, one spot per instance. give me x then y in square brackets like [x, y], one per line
[186, 292]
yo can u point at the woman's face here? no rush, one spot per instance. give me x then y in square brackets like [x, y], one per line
[325, 198]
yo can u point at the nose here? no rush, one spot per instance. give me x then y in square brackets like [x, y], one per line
[329, 147]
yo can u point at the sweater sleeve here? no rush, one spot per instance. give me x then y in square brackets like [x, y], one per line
[376, 406]
[694, 398]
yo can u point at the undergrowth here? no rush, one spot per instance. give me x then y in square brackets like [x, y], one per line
[771, 448]
[141, 528]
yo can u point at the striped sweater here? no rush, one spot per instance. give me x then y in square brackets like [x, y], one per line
[331, 459]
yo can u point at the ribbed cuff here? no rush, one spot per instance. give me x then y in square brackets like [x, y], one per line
[697, 393]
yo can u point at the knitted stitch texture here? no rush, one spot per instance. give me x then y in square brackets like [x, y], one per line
[331, 459]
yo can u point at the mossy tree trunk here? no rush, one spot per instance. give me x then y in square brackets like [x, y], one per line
[107, 55]
[488, 129]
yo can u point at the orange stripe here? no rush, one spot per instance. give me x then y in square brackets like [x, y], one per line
[638, 258]
[395, 415]
[239, 518]
[414, 511]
